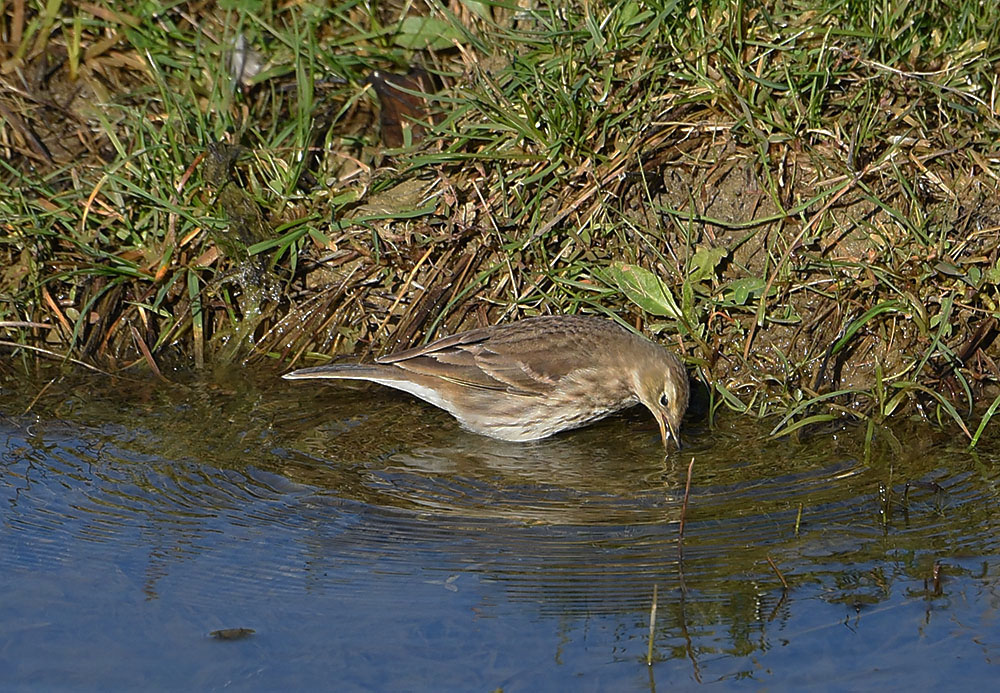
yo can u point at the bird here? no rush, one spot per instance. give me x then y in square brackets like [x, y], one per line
[532, 378]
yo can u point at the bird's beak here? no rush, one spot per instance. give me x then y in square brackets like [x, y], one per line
[667, 431]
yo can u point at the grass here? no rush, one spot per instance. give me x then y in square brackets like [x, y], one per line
[801, 198]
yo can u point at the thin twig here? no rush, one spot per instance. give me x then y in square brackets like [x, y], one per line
[26, 323]
[684, 506]
[146, 353]
[39, 396]
[52, 354]
[784, 584]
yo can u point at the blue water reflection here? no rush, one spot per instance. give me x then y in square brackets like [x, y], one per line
[393, 551]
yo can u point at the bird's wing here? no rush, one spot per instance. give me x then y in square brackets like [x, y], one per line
[451, 358]
[440, 345]
[526, 367]
[510, 360]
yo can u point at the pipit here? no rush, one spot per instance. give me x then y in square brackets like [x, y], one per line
[532, 378]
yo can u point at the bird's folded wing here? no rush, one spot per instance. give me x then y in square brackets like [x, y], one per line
[490, 366]
[441, 345]
[457, 366]
[511, 359]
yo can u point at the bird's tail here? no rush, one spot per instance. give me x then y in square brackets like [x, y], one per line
[343, 371]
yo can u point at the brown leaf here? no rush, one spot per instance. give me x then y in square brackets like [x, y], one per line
[402, 110]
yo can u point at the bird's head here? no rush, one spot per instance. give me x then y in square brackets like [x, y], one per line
[661, 384]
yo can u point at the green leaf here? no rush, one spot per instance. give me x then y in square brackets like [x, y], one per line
[732, 401]
[945, 267]
[687, 298]
[319, 237]
[645, 289]
[985, 420]
[993, 274]
[480, 8]
[780, 429]
[243, 6]
[807, 421]
[741, 290]
[704, 262]
[884, 307]
[974, 277]
[942, 402]
[419, 33]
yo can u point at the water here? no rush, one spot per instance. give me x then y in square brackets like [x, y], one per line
[371, 544]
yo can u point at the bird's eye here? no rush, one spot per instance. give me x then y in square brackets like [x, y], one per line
[664, 400]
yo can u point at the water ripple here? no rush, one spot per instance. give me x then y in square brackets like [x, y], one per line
[581, 522]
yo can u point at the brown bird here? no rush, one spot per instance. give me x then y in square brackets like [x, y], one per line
[532, 378]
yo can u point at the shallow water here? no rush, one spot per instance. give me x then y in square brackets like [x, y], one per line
[371, 544]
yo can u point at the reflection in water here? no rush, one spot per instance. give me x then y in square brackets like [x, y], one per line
[356, 520]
